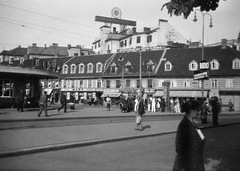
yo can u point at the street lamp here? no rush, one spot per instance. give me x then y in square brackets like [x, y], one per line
[210, 25]
[139, 48]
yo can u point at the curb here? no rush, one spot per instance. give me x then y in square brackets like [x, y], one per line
[76, 144]
[61, 146]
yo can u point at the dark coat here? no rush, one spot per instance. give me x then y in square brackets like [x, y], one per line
[189, 147]
[141, 109]
[63, 98]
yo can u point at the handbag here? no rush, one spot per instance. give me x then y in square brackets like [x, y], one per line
[138, 120]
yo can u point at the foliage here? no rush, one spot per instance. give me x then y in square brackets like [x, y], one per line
[185, 7]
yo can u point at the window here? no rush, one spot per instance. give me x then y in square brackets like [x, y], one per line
[99, 67]
[89, 83]
[130, 41]
[90, 68]
[214, 64]
[81, 83]
[150, 83]
[168, 66]
[113, 69]
[160, 83]
[121, 44]
[128, 69]
[149, 38]
[173, 83]
[73, 69]
[214, 83]
[81, 68]
[138, 39]
[138, 83]
[65, 69]
[99, 84]
[229, 83]
[107, 83]
[118, 83]
[57, 84]
[49, 84]
[186, 83]
[63, 84]
[6, 88]
[125, 43]
[236, 63]
[128, 83]
[95, 45]
[193, 66]
[99, 44]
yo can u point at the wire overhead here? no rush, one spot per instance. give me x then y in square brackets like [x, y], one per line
[47, 16]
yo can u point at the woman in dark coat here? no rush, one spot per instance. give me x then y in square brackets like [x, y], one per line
[189, 141]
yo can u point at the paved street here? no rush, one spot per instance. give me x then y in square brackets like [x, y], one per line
[153, 153]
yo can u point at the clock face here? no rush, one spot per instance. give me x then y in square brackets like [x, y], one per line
[116, 13]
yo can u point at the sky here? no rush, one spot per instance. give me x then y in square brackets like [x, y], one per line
[23, 22]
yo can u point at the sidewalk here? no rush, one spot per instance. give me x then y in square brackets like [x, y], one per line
[25, 141]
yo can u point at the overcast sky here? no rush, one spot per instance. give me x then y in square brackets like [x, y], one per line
[23, 22]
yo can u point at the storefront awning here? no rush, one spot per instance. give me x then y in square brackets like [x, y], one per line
[48, 90]
[181, 93]
[111, 94]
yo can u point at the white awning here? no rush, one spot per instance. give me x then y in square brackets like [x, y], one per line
[48, 90]
[111, 94]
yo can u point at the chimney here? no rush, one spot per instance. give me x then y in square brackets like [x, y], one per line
[34, 45]
[161, 20]
[134, 29]
[19, 46]
[55, 44]
[146, 29]
[224, 43]
[69, 46]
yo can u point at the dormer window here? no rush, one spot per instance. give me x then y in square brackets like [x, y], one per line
[168, 66]
[214, 64]
[236, 63]
[113, 68]
[73, 69]
[81, 68]
[128, 67]
[65, 69]
[90, 68]
[99, 67]
[193, 66]
[150, 66]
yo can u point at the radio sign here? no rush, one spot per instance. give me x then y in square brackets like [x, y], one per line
[204, 65]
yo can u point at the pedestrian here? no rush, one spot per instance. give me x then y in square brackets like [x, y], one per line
[230, 105]
[162, 104]
[177, 106]
[189, 141]
[136, 104]
[52, 99]
[108, 99]
[139, 113]
[20, 101]
[172, 105]
[43, 104]
[153, 104]
[63, 102]
[215, 110]
[204, 112]
[72, 99]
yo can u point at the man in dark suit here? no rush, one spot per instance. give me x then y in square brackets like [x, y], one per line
[140, 112]
[63, 101]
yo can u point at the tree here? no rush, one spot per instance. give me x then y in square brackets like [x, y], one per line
[185, 7]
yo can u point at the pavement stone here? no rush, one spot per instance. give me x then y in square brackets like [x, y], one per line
[25, 141]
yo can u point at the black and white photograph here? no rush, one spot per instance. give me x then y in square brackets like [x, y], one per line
[117, 85]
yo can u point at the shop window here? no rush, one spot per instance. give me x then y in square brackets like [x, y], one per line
[128, 83]
[29, 89]
[57, 84]
[49, 84]
[6, 88]
[138, 83]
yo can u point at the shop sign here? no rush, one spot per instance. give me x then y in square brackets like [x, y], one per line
[200, 75]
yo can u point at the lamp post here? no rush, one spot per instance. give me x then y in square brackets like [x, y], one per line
[210, 25]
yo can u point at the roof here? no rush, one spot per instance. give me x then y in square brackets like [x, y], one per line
[86, 59]
[114, 37]
[55, 51]
[19, 51]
